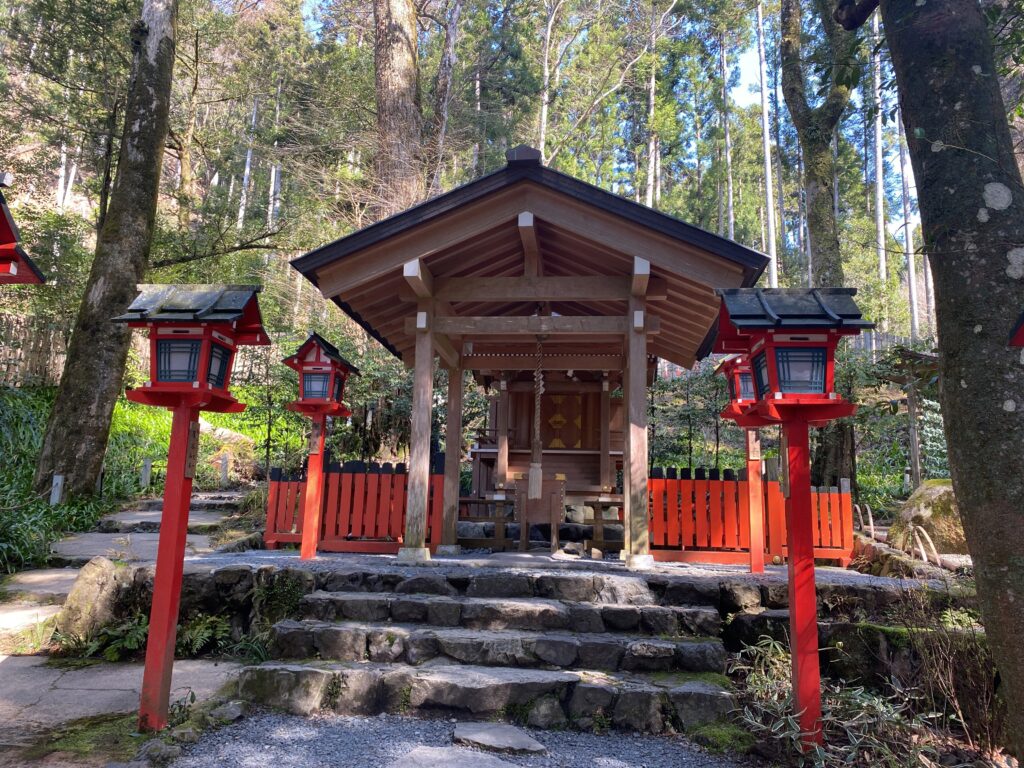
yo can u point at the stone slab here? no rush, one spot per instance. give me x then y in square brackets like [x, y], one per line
[35, 696]
[448, 757]
[130, 547]
[148, 520]
[45, 585]
[497, 737]
[21, 614]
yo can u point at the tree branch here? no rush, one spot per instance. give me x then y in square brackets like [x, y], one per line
[251, 244]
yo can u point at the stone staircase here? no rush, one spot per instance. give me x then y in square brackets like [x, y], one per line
[131, 534]
[548, 650]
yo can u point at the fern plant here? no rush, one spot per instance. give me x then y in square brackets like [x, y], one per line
[203, 633]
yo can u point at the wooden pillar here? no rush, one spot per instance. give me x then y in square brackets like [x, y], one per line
[452, 458]
[637, 501]
[501, 463]
[606, 436]
[312, 514]
[627, 532]
[170, 563]
[803, 606]
[414, 547]
[755, 501]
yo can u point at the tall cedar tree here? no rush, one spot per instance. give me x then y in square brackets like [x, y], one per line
[815, 125]
[398, 160]
[76, 436]
[972, 215]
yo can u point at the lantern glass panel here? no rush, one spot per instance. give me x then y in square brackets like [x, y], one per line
[339, 382]
[801, 369]
[746, 386]
[177, 360]
[761, 375]
[314, 386]
[219, 359]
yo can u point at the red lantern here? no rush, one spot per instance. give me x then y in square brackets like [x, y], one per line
[194, 333]
[789, 337]
[15, 265]
[742, 393]
[322, 376]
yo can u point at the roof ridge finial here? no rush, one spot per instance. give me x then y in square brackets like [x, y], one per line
[523, 154]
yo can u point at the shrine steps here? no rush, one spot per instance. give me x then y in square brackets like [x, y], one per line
[414, 645]
[535, 697]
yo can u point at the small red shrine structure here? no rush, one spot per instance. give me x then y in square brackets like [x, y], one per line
[15, 265]
[789, 337]
[194, 334]
[322, 376]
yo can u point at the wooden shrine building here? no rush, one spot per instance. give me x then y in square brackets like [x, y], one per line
[535, 282]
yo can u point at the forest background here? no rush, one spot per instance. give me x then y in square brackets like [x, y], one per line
[271, 152]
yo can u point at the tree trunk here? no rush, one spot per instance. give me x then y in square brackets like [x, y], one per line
[79, 425]
[444, 90]
[186, 178]
[398, 164]
[652, 93]
[728, 138]
[766, 151]
[274, 195]
[908, 237]
[876, 100]
[972, 213]
[243, 198]
[814, 128]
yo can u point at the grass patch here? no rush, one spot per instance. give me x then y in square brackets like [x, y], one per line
[113, 736]
[28, 641]
[673, 679]
[723, 736]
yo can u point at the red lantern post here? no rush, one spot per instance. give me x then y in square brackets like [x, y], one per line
[194, 332]
[789, 337]
[15, 265]
[322, 376]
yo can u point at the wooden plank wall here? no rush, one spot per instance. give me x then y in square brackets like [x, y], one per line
[706, 518]
[700, 518]
[364, 508]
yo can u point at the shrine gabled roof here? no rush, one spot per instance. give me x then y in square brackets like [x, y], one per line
[12, 250]
[329, 349]
[192, 303]
[575, 229]
[780, 308]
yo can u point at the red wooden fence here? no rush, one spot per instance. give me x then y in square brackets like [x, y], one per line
[707, 520]
[364, 509]
[700, 519]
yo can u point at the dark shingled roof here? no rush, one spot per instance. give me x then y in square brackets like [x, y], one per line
[329, 349]
[189, 303]
[780, 308]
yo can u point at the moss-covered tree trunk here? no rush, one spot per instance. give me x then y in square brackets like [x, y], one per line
[399, 167]
[972, 214]
[76, 436]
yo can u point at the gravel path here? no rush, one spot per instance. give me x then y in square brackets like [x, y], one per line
[284, 741]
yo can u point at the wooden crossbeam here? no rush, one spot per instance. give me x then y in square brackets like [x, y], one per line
[499, 362]
[531, 249]
[533, 325]
[641, 277]
[419, 278]
[513, 289]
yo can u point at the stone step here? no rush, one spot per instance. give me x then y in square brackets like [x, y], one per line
[148, 520]
[226, 502]
[535, 697]
[512, 613]
[411, 644]
[126, 547]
